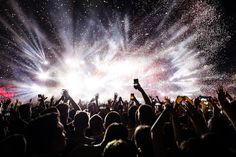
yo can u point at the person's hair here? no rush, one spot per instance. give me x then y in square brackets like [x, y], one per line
[115, 131]
[131, 115]
[96, 123]
[81, 120]
[145, 115]
[111, 117]
[118, 148]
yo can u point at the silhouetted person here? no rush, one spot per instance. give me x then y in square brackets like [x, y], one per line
[132, 120]
[45, 136]
[145, 115]
[81, 123]
[96, 130]
[143, 141]
[111, 117]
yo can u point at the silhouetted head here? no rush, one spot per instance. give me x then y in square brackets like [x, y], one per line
[45, 135]
[81, 120]
[218, 125]
[145, 115]
[111, 117]
[96, 123]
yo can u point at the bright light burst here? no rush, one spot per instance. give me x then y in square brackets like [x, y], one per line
[168, 55]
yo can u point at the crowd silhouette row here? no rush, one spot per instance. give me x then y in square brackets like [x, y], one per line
[203, 126]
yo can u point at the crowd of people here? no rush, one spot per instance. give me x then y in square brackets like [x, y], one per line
[203, 126]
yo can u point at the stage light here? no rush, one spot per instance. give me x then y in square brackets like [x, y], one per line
[43, 76]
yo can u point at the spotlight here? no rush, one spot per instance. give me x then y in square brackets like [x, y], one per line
[43, 76]
[45, 62]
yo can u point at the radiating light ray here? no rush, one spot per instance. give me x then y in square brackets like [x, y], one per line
[168, 55]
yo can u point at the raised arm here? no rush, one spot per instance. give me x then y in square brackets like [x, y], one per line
[73, 103]
[227, 108]
[136, 101]
[145, 96]
[197, 119]
[96, 103]
[59, 100]
[176, 126]
[66, 97]
[157, 130]
[114, 102]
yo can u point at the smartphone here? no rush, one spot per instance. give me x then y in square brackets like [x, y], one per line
[136, 83]
[187, 99]
[183, 100]
[179, 99]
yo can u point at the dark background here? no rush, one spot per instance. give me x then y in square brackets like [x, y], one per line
[230, 50]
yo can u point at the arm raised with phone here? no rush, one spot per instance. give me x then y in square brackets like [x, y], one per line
[140, 89]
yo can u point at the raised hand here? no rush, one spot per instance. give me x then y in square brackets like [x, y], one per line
[52, 101]
[115, 96]
[215, 105]
[227, 107]
[66, 97]
[140, 89]
[221, 94]
[167, 100]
